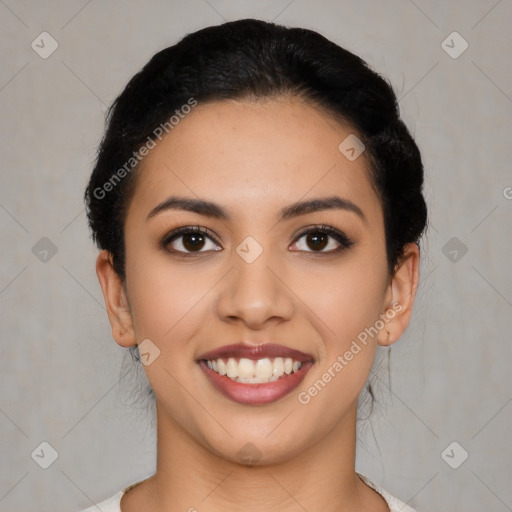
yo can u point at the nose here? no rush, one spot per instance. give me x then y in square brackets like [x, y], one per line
[255, 294]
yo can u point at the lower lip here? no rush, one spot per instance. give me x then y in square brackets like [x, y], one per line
[256, 394]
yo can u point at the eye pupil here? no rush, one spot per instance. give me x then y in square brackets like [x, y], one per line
[193, 241]
[319, 240]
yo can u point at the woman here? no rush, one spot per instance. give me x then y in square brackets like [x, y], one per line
[258, 205]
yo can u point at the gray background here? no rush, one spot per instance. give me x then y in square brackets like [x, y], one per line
[60, 368]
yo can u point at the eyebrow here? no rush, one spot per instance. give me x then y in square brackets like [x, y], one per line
[209, 209]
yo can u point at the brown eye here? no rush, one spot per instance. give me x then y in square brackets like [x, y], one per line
[323, 237]
[317, 240]
[192, 239]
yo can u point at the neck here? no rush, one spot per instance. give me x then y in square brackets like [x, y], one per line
[191, 477]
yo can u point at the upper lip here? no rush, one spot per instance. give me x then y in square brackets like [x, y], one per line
[260, 351]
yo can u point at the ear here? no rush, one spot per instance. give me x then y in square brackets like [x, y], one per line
[400, 296]
[114, 293]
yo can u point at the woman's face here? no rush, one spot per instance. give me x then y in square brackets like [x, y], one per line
[252, 276]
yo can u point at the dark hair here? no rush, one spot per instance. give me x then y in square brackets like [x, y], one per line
[250, 60]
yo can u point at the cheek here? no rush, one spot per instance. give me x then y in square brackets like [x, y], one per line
[347, 300]
[354, 307]
[165, 299]
[348, 304]
[168, 307]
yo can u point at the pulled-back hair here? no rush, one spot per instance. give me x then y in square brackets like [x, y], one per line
[251, 60]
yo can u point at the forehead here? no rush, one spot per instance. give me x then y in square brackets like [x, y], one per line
[254, 156]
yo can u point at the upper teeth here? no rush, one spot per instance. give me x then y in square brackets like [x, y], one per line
[263, 370]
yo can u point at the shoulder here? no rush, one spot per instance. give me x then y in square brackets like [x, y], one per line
[112, 504]
[395, 505]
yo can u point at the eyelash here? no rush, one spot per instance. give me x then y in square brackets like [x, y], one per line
[344, 241]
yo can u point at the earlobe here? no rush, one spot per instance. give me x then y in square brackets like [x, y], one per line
[401, 295]
[116, 301]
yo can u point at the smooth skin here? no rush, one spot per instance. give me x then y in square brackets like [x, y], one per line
[252, 159]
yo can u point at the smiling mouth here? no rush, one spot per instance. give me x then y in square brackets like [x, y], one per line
[255, 374]
[259, 371]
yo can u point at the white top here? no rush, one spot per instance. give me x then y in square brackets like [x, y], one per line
[113, 504]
